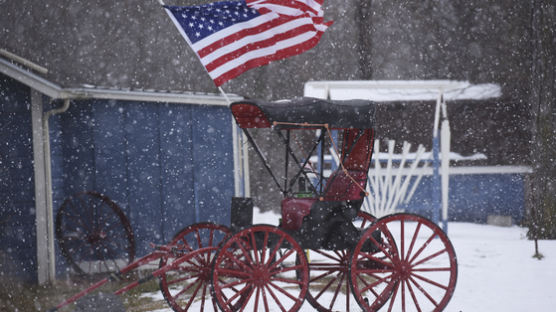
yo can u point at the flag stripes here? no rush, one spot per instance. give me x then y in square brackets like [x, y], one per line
[231, 37]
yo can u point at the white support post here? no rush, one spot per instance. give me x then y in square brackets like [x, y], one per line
[241, 157]
[445, 164]
[245, 168]
[237, 161]
[45, 274]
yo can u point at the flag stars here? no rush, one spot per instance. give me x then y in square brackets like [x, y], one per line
[201, 21]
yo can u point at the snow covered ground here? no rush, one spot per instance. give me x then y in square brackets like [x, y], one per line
[496, 270]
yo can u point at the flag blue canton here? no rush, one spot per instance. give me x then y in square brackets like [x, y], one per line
[201, 21]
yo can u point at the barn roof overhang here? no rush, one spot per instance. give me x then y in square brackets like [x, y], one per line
[33, 80]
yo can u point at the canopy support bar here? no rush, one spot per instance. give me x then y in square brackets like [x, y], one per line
[295, 159]
[263, 159]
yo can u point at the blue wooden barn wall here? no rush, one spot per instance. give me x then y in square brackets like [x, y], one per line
[166, 165]
[17, 205]
[473, 197]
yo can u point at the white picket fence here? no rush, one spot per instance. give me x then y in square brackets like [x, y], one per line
[393, 178]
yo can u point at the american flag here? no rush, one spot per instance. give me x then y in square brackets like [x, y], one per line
[231, 37]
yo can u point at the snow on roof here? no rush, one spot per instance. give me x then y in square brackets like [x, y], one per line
[401, 90]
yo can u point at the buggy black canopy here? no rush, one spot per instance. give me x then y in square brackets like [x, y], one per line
[359, 114]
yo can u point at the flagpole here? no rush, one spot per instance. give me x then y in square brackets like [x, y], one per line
[225, 95]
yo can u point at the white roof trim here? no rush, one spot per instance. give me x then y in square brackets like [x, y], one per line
[401, 90]
[54, 91]
[30, 79]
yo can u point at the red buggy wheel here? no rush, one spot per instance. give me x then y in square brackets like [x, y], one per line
[93, 233]
[414, 269]
[329, 288]
[255, 270]
[187, 287]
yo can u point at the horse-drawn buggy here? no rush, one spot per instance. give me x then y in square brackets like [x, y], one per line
[325, 248]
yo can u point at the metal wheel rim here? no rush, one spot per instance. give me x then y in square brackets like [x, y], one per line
[101, 228]
[178, 286]
[418, 272]
[254, 277]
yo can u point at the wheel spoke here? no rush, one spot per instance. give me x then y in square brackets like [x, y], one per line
[275, 298]
[256, 307]
[237, 294]
[423, 291]
[274, 251]
[413, 239]
[325, 288]
[181, 279]
[381, 247]
[430, 281]
[199, 284]
[246, 300]
[326, 254]
[203, 296]
[422, 247]
[280, 289]
[412, 292]
[393, 297]
[402, 239]
[375, 283]
[432, 269]
[337, 291]
[403, 295]
[265, 301]
[282, 259]
[245, 253]
[181, 292]
[436, 254]
[254, 246]
[265, 243]
[234, 259]
[375, 259]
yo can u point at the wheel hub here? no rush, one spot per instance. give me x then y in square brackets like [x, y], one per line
[96, 237]
[204, 273]
[261, 276]
[404, 270]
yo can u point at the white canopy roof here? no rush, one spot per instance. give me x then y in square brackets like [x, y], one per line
[401, 90]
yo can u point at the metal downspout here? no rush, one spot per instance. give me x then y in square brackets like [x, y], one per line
[48, 187]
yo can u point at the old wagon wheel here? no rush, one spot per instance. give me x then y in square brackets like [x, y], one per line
[414, 268]
[251, 274]
[187, 287]
[93, 233]
[328, 275]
